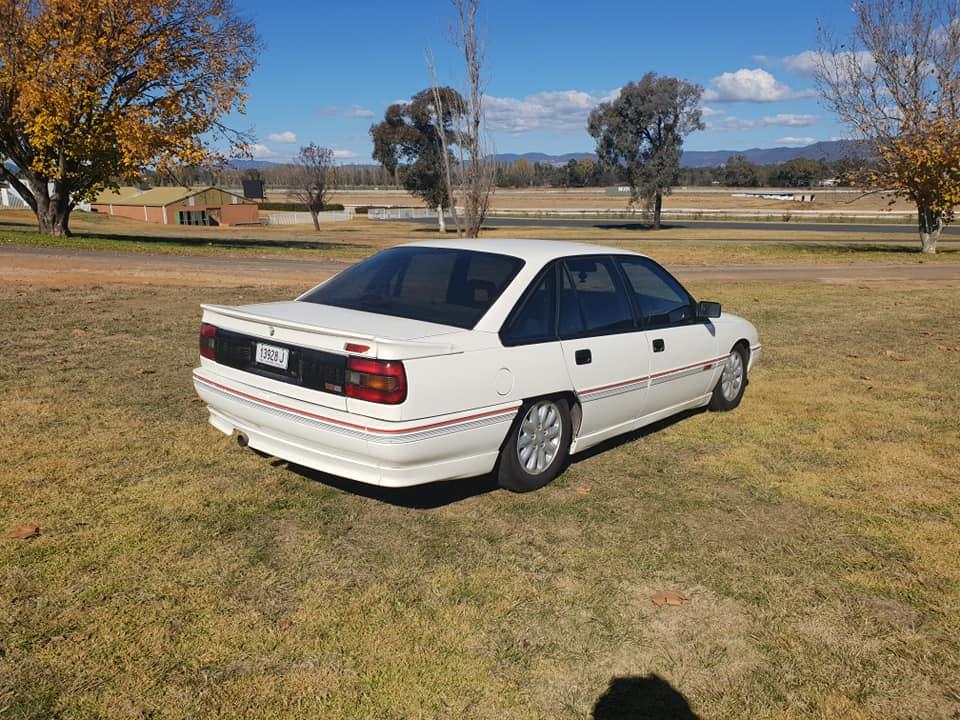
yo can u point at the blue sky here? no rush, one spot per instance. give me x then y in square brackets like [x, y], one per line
[330, 69]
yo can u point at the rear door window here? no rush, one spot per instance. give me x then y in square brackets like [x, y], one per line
[604, 306]
[534, 320]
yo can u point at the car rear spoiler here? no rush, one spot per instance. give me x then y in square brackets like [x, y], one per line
[331, 339]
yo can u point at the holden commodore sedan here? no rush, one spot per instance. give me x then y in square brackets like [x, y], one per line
[452, 359]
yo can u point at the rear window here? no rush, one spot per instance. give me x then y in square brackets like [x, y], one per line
[438, 285]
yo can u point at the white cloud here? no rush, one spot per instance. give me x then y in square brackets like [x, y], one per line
[790, 120]
[564, 110]
[357, 111]
[710, 112]
[729, 123]
[260, 152]
[750, 85]
[287, 136]
[807, 62]
[354, 111]
[344, 154]
[796, 141]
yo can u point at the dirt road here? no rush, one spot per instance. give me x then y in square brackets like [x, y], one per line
[72, 268]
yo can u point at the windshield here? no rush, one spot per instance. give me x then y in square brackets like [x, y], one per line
[437, 285]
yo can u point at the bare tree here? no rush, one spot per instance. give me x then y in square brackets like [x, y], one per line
[477, 175]
[312, 166]
[895, 82]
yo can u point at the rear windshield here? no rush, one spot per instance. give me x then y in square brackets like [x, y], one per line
[438, 285]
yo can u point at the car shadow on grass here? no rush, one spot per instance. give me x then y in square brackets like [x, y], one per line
[642, 698]
[419, 497]
[637, 434]
[447, 492]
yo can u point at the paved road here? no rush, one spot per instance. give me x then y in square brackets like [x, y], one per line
[49, 267]
[949, 234]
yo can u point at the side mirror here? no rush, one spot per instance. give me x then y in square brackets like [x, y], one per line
[707, 310]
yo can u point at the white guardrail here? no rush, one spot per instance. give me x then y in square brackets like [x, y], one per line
[303, 218]
[400, 213]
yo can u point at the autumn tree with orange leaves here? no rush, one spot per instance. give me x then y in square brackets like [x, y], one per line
[92, 92]
[895, 81]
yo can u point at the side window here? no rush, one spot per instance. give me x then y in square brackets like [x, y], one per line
[603, 304]
[661, 299]
[571, 320]
[535, 320]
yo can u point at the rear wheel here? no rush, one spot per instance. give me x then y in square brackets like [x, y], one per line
[733, 381]
[537, 447]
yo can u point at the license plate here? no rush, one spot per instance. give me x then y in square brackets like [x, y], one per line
[273, 356]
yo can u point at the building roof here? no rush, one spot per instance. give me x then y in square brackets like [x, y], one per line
[153, 197]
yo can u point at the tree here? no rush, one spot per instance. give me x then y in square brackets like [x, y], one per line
[895, 81]
[477, 175]
[740, 172]
[643, 130]
[411, 141]
[93, 92]
[310, 183]
[798, 172]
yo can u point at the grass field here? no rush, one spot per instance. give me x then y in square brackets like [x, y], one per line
[351, 241]
[814, 530]
[597, 199]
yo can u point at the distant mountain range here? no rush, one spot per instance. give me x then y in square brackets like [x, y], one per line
[829, 150]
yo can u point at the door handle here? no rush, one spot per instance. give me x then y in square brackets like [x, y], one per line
[658, 345]
[583, 357]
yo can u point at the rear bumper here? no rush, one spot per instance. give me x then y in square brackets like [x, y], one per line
[390, 454]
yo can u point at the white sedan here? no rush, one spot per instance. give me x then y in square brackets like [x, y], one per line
[452, 359]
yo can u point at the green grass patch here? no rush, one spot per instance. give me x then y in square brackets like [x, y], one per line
[815, 531]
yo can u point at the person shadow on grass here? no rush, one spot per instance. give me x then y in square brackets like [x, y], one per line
[642, 698]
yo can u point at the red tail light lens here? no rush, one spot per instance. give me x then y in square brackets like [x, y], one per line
[208, 341]
[378, 381]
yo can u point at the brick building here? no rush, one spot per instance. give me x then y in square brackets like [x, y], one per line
[178, 206]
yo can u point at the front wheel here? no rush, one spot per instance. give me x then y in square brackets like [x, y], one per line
[537, 447]
[733, 381]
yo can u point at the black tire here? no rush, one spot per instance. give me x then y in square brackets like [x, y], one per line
[721, 402]
[511, 472]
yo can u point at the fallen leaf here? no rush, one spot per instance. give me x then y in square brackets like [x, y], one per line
[583, 491]
[24, 532]
[852, 355]
[866, 377]
[195, 398]
[146, 371]
[669, 597]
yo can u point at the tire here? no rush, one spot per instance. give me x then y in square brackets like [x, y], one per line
[732, 383]
[518, 469]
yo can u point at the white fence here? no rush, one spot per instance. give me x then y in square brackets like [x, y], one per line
[10, 198]
[400, 213]
[303, 218]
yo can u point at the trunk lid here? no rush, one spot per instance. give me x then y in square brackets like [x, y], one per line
[314, 339]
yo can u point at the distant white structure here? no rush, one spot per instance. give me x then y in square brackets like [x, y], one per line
[791, 197]
[10, 198]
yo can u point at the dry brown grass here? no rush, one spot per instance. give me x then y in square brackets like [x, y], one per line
[597, 199]
[815, 531]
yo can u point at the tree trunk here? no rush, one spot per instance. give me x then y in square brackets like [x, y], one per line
[931, 223]
[657, 209]
[53, 208]
[316, 219]
[441, 221]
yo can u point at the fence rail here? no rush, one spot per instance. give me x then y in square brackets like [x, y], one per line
[303, 218]
[400, 213]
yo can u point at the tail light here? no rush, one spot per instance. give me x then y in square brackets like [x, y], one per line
[208, 341]
[378, 381]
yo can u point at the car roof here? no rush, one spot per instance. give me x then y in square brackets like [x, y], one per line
[536, 252]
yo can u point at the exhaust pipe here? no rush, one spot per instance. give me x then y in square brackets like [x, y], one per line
[242, 440]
